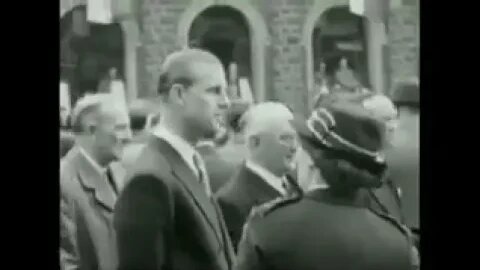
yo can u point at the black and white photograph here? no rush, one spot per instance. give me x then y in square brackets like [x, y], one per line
[239, 135]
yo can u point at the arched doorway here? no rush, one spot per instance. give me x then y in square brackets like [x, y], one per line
[88, 51]
[339, 34]
[224, 31]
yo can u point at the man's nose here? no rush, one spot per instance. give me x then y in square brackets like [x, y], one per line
[293, 146]
[224, 101]
[124, 136]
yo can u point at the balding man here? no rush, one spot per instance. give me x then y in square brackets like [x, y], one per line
[272, 144]
[165, 217]
[90, 179]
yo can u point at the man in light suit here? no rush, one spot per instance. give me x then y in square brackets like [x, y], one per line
[272, 145]
[165, 218]
[90, 180]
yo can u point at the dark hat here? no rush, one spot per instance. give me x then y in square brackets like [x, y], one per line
[407, 93]
[345, 130]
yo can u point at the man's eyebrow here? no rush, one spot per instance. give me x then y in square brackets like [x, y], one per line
[215, 87]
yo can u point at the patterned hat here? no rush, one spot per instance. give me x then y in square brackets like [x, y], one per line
[345, 130]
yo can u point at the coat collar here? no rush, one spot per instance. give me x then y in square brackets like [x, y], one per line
[328, 197]
[258, 189]
[92, 180]
[189, 180]
[180, 146]
[278, 183]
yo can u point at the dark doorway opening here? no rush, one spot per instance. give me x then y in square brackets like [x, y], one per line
[339, 34]
[224, 31]
[88, 51]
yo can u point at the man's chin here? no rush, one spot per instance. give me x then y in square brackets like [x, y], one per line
[290, 165]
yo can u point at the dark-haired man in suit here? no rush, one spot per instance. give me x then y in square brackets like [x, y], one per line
[165, 218]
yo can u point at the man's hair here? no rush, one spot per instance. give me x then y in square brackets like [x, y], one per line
[258, 118]
[176, 68]
[85, 107]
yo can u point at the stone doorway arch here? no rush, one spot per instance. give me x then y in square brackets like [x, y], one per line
[319, 7]
[259, 36]
[87, 53]
[130, 42]
[68, 5]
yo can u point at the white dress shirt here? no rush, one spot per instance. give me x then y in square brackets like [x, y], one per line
[271, 179]
[185, 149]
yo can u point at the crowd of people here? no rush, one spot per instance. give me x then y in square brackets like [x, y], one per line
[198, 185]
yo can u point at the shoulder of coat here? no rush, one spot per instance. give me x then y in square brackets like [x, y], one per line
[269, 207]
[394, 222]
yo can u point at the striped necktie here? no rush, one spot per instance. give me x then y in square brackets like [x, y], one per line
[202, 173]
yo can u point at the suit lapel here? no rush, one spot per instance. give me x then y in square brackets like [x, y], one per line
[293, 187]
[92, 181]
[228, 247]
[118, 174]
[259, 190]
[196, 190]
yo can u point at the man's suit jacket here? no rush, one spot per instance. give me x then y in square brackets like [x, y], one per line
[164, 218]
[237, 197]
[218, 168]
[86, 214]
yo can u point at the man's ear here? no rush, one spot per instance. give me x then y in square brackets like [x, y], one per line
[89, 124]
[253, 141]
[90, 128]
[177, 94]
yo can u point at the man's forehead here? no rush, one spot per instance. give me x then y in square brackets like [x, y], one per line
[281, 126]
[203, 72]
[182, 63]
[114, 113]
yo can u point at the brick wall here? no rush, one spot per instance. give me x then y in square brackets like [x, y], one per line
[285, 57]
[285, 20]
[159, 38]
[403, 41]
[285, 68]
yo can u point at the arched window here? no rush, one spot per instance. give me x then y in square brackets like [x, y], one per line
[224, 31]
[339, 34]
[88, 51]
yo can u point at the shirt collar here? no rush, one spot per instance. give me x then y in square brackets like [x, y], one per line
[101, 170]
[185, 149]
[206, 143]
[269, 177]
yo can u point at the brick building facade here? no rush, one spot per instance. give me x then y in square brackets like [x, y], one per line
[281, 50]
